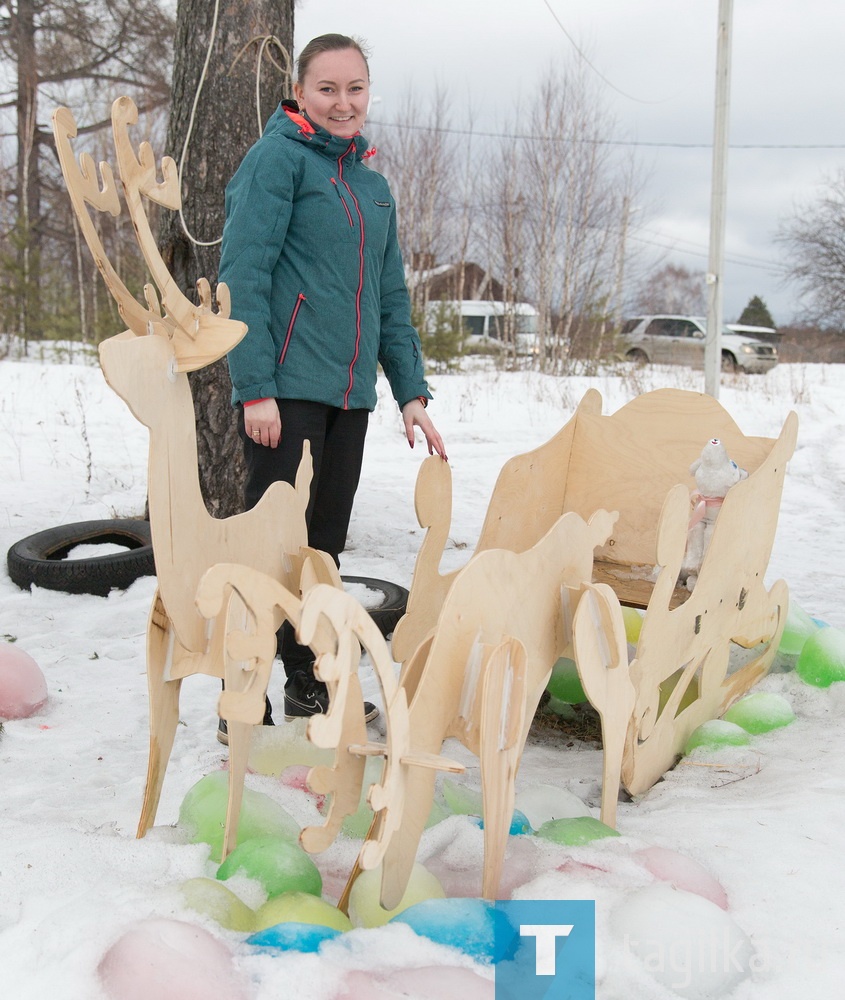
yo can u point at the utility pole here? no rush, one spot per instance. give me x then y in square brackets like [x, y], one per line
[718, 198]
[620, 266]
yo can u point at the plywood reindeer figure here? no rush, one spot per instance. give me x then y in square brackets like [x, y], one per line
[478, 678]
[146, 366]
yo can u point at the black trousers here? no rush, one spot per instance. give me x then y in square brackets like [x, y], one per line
[337, 449]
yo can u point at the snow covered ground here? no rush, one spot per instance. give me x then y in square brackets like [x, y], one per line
[766, 820]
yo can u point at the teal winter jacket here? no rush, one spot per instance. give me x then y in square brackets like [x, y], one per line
[311, 258]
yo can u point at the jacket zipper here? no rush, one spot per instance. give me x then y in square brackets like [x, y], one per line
[360, 275]
[299, 300]
[345, 206]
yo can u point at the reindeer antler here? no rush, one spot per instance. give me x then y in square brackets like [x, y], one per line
[198, 335]
[84, 188]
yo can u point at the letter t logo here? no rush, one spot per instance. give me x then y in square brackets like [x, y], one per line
[546, 935]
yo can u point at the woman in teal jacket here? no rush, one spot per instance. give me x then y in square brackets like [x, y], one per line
[311, 258]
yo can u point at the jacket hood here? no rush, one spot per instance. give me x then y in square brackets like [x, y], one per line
[288, 122]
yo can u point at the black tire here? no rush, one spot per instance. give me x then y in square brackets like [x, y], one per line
[40, 558]
[392, 606]
[729, 362]
[637, 356]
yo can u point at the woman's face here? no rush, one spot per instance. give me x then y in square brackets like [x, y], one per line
[335, 92]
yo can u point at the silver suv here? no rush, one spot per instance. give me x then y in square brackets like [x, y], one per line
[679, 340]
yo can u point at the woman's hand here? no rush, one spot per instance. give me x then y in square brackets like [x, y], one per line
[263, 423]
[414, 415]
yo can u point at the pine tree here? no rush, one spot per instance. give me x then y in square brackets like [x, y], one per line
[441, 334]
[756, 313]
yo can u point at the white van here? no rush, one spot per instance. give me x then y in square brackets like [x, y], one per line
[489, 325]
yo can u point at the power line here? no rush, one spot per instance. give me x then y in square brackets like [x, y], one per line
[737, 259]
[599, 142]
[700, 248]
[580, 52]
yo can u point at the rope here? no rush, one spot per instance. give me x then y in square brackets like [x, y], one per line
[287, 73]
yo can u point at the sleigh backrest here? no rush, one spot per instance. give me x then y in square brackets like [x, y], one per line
[627, 461]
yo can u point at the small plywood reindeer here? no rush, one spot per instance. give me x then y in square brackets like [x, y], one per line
[500, 602]
[146, 365]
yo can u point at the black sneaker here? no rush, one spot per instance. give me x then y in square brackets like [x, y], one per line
[223, 729]
[306, 696]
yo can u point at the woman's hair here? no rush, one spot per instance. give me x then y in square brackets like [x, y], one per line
[328, 43]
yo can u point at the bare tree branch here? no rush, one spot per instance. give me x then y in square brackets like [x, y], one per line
[814, 238]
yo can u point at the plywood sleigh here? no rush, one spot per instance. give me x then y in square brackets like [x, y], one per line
[547, 579]
[636, 462]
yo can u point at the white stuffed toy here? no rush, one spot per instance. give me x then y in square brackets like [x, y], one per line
[714, 475]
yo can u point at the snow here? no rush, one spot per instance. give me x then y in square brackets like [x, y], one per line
[765, 821]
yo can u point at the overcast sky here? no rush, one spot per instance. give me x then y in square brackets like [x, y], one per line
[655, 64]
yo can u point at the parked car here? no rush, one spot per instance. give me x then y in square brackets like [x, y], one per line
[768, 333]
[679, 340]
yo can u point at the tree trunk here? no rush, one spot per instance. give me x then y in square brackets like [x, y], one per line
[28, 183]
[226, 124]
